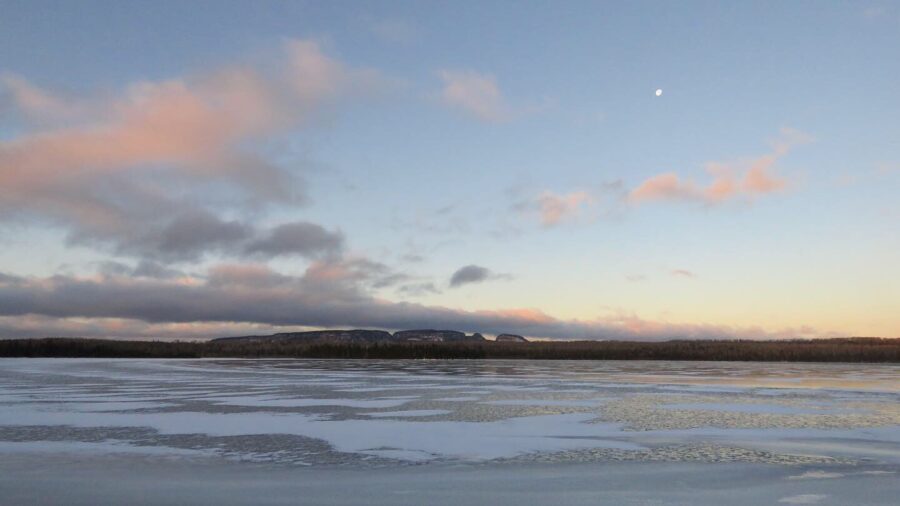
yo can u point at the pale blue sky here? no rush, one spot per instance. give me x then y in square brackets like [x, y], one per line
[401, 169]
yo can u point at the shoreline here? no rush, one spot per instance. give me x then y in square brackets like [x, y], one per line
[838, 350]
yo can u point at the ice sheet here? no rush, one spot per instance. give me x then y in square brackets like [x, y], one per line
[326, 411]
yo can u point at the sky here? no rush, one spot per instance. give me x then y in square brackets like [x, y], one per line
[212, 168]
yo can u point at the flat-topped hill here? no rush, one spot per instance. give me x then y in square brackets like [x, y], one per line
[365, 336]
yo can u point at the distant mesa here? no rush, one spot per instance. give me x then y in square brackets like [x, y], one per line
[511, 338]
[367, 336]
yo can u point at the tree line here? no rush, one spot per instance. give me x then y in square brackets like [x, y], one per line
[814, 350]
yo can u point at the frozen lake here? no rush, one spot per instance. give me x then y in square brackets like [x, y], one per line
[94, 431]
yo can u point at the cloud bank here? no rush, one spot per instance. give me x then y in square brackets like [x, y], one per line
[329, 294]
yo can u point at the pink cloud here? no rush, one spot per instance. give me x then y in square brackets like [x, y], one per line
[666, 186]
[730, 180]
[192, 124]
[554, 208]
[758, 178]
[107, 167]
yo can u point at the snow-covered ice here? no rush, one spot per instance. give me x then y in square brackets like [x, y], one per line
[809, 424]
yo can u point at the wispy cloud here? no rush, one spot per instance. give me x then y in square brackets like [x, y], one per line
[418, 289]
[474, 93]
[551, 209]
[38, 105]
[555, 208]
[682, 273]
[742, 179]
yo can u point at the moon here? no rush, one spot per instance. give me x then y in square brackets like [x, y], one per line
[658, 92]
